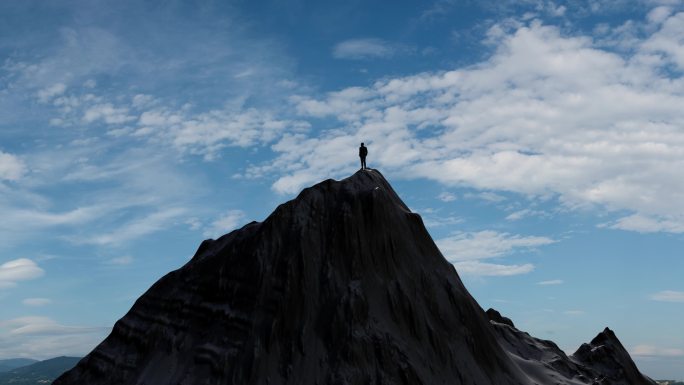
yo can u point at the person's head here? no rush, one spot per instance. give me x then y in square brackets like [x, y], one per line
[361, 144]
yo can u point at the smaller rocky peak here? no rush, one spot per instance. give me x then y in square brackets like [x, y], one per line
[606, 337]
[495, 316]
[606, 355]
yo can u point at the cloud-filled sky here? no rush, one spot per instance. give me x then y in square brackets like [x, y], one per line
[541, 141]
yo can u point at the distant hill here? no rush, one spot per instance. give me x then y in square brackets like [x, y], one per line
[42, 372]
[7, 365]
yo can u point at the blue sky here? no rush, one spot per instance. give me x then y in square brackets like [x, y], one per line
[541, 141]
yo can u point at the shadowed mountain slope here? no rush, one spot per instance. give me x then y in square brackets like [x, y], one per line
[341, 285]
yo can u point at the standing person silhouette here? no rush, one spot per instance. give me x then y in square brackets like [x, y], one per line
[363, 151]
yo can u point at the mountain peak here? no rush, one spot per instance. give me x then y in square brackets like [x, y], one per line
[342, 284]
[606, 353]
[607, 336]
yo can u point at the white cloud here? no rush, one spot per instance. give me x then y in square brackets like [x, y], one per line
[43, 338]
[551, 282]
[526, 213]
[36, 301]
[492, 270]
[574, 312]
[433, 220]
[669, 296]
[649, 224]
[547, 116]
[446, 197]
[142, 100]
[16, 270]
[225, 223]
[39, 219]
[121, 261]
[46, 94]
[667, 40]
[11, 167]
[654, 351]
[659, 14]
[486, 196]
[206, 133]
[486, 244]
[108, 113]
[465, 250]
[366, 48]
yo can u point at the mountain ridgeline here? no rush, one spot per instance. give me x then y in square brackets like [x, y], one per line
[341, 285]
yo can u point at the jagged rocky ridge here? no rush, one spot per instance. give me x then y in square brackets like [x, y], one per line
[342, 285]
[604, 361]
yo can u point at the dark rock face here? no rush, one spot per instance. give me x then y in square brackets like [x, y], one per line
[342, 285]
[603, 362]
[495, 316]
[606, 355]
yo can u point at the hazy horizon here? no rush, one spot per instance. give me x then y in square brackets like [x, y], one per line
[541, 142]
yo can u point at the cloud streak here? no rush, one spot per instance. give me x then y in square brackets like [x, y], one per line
[669, 296]
[366, 48]
[43, 338]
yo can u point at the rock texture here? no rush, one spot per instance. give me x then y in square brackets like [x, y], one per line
[342, 285]
[602, 362]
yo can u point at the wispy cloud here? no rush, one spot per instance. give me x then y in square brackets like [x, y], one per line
[648, 224]
[654, 351]
[11, 167]
[446, 196]
[551, 282]
[525, 213]
[225, 223]
[465, 250]
[141, 226]
[36, 301]
[120, 261]
[365, 48]
[17, 270]
[47, 93]
[669, 296]
[487, 244]
[491, 270]
[43, 338]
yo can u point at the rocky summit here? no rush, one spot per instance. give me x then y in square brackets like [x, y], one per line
[341, 285]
